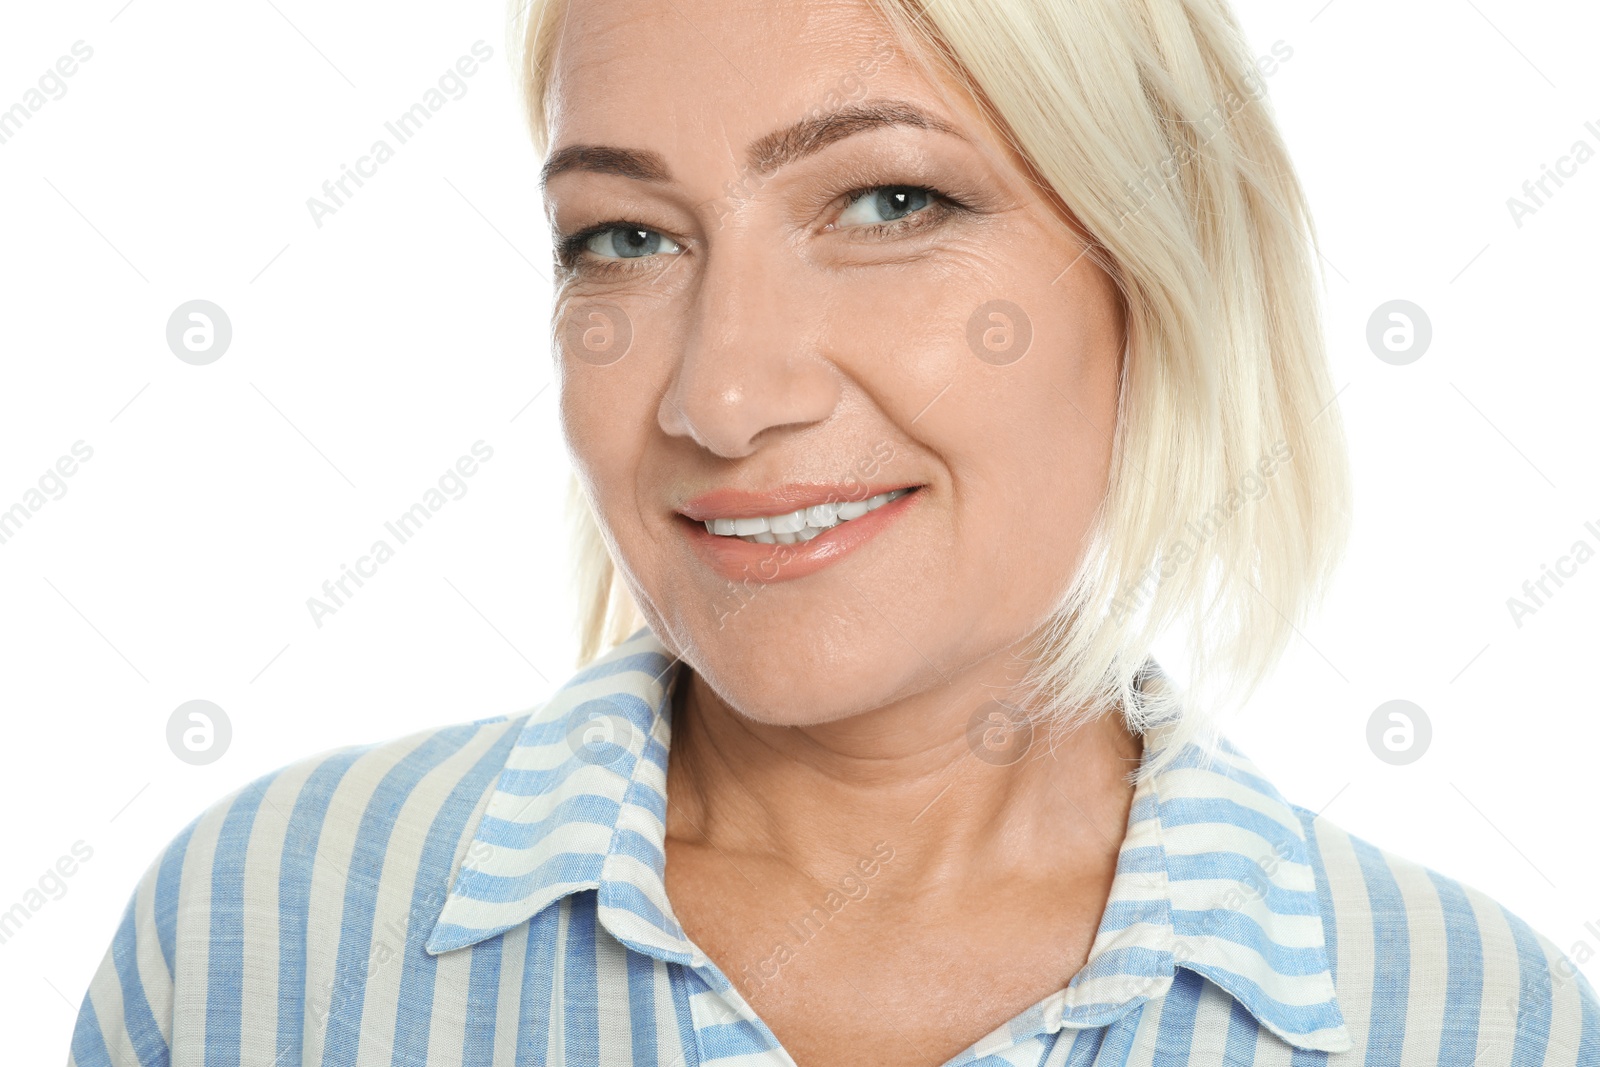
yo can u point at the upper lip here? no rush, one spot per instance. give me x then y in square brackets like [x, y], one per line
[729, 503]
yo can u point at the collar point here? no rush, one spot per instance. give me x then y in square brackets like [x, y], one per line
[1330, 1039]
[447, 937]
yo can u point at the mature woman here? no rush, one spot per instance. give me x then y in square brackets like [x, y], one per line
[920, 363]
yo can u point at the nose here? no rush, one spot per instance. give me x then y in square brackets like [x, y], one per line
[752, 358]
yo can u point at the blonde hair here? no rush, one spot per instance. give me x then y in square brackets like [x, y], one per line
[1147, 120]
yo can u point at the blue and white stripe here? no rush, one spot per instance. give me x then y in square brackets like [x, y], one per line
[491, 893]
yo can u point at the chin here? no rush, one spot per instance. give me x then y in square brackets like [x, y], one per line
[789, 682]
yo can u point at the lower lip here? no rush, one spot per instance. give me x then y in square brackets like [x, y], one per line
[738, 560]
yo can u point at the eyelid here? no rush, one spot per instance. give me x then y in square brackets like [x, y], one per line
[571, 249]
[941, 206]
[573, 255]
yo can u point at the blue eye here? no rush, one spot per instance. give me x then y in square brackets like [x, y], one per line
[628, 242]
[882, 208]
[887, 203]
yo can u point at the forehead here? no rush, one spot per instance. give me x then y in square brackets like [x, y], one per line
[688, 71]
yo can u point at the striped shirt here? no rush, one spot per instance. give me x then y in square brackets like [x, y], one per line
[491, 893]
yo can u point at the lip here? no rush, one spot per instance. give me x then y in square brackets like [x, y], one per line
[738, 560]
[744, 503]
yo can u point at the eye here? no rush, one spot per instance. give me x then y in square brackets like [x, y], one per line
[615, 240]
[885, 204]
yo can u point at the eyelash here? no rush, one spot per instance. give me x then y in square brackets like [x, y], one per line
[570, 249]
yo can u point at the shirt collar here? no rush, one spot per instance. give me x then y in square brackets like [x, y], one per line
[1214, 874]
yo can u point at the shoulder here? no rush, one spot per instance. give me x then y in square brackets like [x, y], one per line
[324, 833]
[271, 876]
[1428, 964]
[355, 803]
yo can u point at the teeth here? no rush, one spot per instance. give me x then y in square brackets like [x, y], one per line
[822, 515]
[793, 522]
[801, 525]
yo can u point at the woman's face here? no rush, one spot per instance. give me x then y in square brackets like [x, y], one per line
[797, 271]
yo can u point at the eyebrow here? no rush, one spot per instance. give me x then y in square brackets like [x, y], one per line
[763, 155]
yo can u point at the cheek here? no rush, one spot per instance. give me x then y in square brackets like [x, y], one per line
[608, 414]
[909, 326]
[605, 366]
[580, 422]
[1030, 440]
[601, 439]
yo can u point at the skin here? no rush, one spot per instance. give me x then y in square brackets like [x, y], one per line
[791, 332]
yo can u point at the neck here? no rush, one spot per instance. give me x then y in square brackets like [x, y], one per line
[913, 775]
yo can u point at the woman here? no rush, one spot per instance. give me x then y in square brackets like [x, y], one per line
[919, 367]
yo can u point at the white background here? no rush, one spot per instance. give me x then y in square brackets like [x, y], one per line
[368, 354]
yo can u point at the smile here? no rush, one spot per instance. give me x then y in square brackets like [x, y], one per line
[729, 532]
[799, 525]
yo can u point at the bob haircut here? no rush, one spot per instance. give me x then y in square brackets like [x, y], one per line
[1227, 506]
